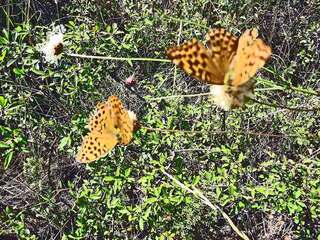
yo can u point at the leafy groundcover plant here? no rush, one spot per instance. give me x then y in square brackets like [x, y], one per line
[192, 170]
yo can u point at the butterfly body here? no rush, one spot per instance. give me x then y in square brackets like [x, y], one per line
[110, 124]
[227, 61]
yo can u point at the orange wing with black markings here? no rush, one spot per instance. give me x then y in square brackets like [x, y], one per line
[109, 125]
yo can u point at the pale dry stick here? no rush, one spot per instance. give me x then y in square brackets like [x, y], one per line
[197, 193]
[217, 132]
[58, 13]
[179, 96]
[316, 152]
[28, 11]
[254, 100]
[117, 58]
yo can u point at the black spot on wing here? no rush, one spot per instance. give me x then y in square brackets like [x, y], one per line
[196, 62]
[181, 64]
[203, 56]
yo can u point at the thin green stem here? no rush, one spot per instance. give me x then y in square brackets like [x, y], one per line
[307, 91]
[254, 100]
[179, 96]
[299, 109]
[118, 58]
[270, 83]
[175, 67]
[288, 87]
[186, 21]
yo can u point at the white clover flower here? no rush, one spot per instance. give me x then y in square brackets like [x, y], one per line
[53, 46]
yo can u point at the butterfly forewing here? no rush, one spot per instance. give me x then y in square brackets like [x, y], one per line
[252, 53]
[116, 111]
[102, 118]
[222, 46]
[122, 120]
[195, 60]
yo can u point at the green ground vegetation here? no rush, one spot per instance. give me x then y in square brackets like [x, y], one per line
[260, 164]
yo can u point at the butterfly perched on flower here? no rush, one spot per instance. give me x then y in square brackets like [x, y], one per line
[227, 64]
[110, 124]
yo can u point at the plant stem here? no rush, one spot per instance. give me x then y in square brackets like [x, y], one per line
[221, 132]
[179, 96]
[118, 58]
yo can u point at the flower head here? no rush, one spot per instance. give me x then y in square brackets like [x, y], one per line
[53, 46]
[220, 97]
[132, 115]
[130, 81]
[228, 97]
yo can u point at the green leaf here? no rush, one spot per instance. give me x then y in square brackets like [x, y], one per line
[108, 178]
[3, 54]
[18, 29]
[4, 145]
[3, 101]
[4, 41]
[147, 213]
[38, 72]
[150, 200]
[141, 223]
[130, 63]
[196, 180]
[7, 159]
[66, 141]
[18, 72]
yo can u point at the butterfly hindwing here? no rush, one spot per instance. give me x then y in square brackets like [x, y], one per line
[96, 145]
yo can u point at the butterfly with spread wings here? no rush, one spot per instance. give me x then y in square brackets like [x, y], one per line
[227, 64]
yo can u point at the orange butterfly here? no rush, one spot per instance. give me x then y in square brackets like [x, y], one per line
[109, 125]
[228, 64]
